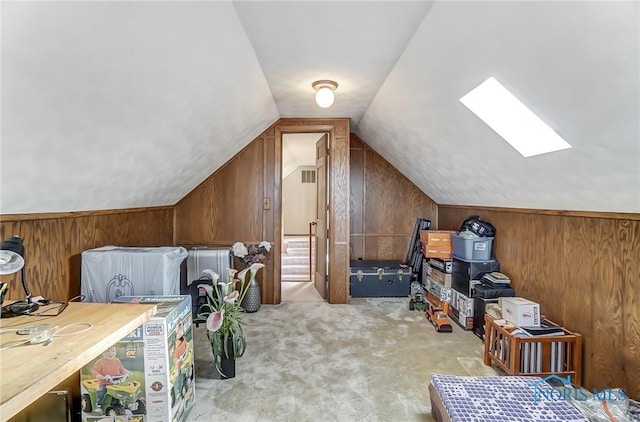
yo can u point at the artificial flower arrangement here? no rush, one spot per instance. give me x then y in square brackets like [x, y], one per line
[251, 254]
[222, 312]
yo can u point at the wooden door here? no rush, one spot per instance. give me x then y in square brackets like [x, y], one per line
[320, 279]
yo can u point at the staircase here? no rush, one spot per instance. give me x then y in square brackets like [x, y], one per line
[295, 261]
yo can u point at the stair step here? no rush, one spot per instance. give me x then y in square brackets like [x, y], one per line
[294, 277]
[297, 252]
[295, 269]
[295, 260]
[298, 246]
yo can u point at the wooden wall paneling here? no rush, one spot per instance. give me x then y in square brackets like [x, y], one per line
[339, 177]
[271, 231]
[357, 198]
[379, 245]
[381, 211]
[356, 186]
[390, 205]
[227, 207]
[540, 261]
[604, 274]
[195, 216]
[356, 245]
[630, 350]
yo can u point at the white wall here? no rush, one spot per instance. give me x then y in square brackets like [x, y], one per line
[298, 202]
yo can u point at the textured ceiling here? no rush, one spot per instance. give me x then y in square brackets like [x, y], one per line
[131, 104]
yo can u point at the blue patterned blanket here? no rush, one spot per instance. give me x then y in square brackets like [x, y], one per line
[501, 399]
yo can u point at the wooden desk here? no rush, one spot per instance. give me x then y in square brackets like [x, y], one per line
[29, 371]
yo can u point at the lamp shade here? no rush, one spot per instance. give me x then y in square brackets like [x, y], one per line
[11, 255]
[324, 92]
[324, 97]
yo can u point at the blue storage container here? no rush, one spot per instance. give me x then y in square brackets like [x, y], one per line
[475, 249]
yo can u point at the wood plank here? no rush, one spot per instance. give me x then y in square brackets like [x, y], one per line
[630, 351]
[29, 371]
[356, 186]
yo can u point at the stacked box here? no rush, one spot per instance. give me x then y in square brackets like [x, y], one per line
[436, 243]
[439, 290]
[426, 272]
[441, 277]
[444, 265]
[150, 372]
[461, 309]
[520, 311]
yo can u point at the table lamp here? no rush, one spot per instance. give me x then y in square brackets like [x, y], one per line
[12, 261]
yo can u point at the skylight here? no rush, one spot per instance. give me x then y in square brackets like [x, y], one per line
[512, 120]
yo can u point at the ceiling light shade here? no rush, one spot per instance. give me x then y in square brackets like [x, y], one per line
[324, 94]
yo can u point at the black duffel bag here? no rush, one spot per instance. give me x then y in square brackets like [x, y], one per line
[478, 227]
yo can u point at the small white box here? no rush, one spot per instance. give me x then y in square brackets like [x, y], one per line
[521, 312]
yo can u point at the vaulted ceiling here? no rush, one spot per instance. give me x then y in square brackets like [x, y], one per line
[132, 104]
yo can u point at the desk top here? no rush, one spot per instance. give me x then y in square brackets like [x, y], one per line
[29, 371]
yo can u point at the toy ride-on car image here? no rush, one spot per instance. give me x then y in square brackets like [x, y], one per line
[122, 397]
[181, 376]
[438, 318]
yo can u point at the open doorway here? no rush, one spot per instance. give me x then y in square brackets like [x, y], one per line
[299, 216]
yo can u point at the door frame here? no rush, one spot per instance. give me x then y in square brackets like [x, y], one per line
[338, 197]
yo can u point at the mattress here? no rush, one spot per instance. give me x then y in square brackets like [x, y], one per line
[496, 399]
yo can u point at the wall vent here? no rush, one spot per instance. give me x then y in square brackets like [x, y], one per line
[308, 176]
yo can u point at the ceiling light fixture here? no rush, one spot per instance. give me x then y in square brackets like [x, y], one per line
[324, 94]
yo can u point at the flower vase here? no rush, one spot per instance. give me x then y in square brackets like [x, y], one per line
[251, 301]
[227, 364]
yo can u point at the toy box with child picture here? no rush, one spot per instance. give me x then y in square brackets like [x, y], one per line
[149, 374]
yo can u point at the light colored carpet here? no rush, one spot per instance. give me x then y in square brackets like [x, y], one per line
[370, 360]
[299, 291]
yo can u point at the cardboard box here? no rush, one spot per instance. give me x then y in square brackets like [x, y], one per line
[426, 270]
[158, 362]
[444, 265]
[461, 310]
[465, 306]
[439, 290]
[436, 243]
[438, 239]
[520, 311]
[436, 252]
[440, 276]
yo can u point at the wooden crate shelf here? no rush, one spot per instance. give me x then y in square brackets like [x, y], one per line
[536, 356]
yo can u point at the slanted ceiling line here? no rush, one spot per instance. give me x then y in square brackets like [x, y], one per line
[568, 213]
[57, 215]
